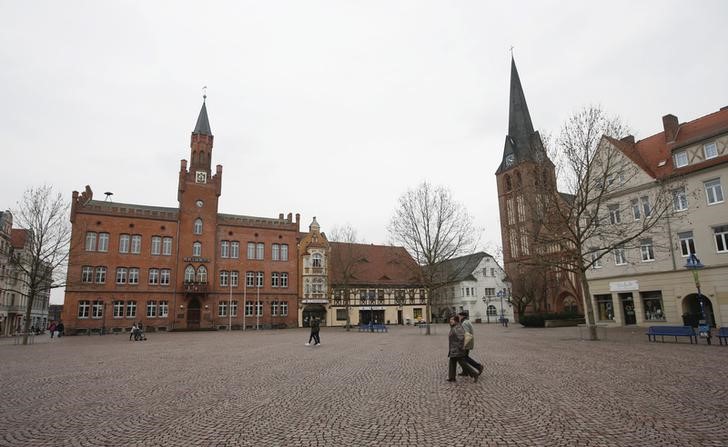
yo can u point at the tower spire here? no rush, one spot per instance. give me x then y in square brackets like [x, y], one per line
[203, 123]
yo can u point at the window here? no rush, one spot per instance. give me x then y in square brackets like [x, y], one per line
[721, 238]
[274, 308]
[167, 246]
[710, 150]
[197, 226]
[316, 260]
[260, 251]
[259, 279]
[251, 250]
[275, 252]
[222, 309]
[189, 274]
[234, 308]
[103, 242]
[713, 191]
[223, 278]
[619, 256]
[492, 271]
[636, 212]
[90, 241]
[248, 308]
[284, 252]
[87, 274]
[249, 279]
[595, 259]
[614, 216]
[646, 206]
[136, 244]
[124, 243]
[417, 313]
[652, 303]
[118, 309]
[605, 307]
[131, 309]
[153, 276]
[259, 308]
[224, 249]
[648, 253]
[340, 314]
[156, 245]
[274, 279]
[202, 274]
[234, 278]
[284, 280]
[121, 275]
[679, 200]
[83, 309]
[196, 249]
[680, 158]
[133, 275]
[687, 244]
[100, 275]
[489, 291]
[151, 309]
[234, 249]
[98, 309]
[163, 309]
[164, 276]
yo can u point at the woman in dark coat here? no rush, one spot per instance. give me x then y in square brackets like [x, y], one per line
[457, 351]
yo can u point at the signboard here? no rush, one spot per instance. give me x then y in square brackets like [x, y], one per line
[315, 301]
[624, 286]
[196, 259]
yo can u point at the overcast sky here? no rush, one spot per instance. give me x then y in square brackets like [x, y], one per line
[331, 109]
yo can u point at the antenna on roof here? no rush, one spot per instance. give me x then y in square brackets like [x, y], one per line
[108, 196]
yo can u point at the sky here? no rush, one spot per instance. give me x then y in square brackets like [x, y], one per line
[331, 109]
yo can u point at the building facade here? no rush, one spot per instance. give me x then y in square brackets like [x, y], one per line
[526, 172]
[648, 284]
[478, 287]
[184, 268]
[314, 259]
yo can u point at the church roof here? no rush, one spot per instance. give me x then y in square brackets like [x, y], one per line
[203, 123]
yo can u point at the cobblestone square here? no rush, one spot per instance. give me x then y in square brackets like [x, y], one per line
[541, 387]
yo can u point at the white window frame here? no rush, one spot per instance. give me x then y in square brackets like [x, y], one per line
[249, 279]
[714, 191]
[614, 215]
[197, 226]
[156, 245]
[100, 275]
[274, 279]
[234, 275]
[165, 276]
[118, 309]
[222, 309]
[647, 250]
[84, 308]
[223, 278]
[720, 236]
[121, 275]
[636, 210]
[284, 252]
[153, 276]
[224, 249]
[260, 279]
[234, 249]
[284, 280]
[710, 150]
[260, 251]
[687, 243]
[163, 309]
[136, 244]
[596, 260]
[680, 158]
[620, 256]
[275, 252]
[131, 307]
[103, 245]
[124, 243]
[646, 207]
[97, 309]
[167, 246]
[87, 274]
[151, 309]
[189, 274]
[251, 250]
[90, 241]
[197, 248]
[133, 275]
[679, 200]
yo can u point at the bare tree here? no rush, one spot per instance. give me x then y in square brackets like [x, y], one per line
[41, 263]
[574, 231]
[344, 259]
[433, 228]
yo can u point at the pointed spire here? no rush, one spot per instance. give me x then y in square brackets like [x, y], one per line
[203, 124]
[520, 126]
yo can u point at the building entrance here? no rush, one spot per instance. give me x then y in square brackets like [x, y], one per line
[193, 314]
[314, 311]
[371, 316]
[691, 310]
[630, 317]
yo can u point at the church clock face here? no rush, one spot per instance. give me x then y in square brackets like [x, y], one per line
[201, 177]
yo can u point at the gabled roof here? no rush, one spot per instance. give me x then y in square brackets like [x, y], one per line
[655, 150]
[378, 265]
[459, 269]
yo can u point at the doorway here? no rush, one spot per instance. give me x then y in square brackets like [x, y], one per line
[371, 316]
[630, 316]
[692, 313]
[314, 311]
[193, 314]
[399, 317]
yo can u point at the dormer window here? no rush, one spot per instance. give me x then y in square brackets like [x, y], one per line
[710, 150]
[680, 158]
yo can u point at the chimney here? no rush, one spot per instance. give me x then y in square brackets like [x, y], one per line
[669, 122]
[629, 139]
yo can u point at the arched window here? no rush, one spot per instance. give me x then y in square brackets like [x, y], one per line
[492, 312]
[189, 274]
[536, 180]
[518, 178]
[196, 249]
[316, 259]
[570, 305]
[508, 183]
[197, 226]
[202, 274]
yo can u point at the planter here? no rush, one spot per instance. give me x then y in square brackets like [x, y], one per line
[563, 323]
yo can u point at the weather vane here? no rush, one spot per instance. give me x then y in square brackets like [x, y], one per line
[511, 50]
[204, 92]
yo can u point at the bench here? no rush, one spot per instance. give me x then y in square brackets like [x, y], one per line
[372, 328]
[723, 335]
[671, 331]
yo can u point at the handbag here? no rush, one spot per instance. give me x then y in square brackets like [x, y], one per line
[469, 341]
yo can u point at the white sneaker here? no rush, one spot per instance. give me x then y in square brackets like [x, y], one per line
[308, 344]
[317, 344]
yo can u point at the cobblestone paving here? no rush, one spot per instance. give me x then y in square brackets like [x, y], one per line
[540, 387]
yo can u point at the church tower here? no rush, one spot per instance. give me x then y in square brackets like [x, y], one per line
[526, 175]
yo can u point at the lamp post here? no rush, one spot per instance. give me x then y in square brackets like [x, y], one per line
[230, 303]
[486, 302]
[503, 293]
[245, 301]
[693, 264]
[257, 306]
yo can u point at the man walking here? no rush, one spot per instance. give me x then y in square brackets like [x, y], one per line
[469, 343]
[315, 328]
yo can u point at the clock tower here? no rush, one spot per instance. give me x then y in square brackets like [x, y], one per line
[524, 177]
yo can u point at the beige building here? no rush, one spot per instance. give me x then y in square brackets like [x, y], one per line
[647, 283]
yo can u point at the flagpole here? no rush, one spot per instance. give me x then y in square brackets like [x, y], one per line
[230, 303]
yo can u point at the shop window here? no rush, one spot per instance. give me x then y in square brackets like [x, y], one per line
[605, 306]
[652, 303]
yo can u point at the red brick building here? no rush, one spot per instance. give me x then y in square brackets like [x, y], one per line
[188, 267]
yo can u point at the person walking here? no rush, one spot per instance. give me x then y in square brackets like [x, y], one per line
[52, 329]
[456, 352]
[133, 331]
[315, 328]
[59, 329]
[469, 343]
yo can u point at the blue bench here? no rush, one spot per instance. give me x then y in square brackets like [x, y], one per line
[372, 328]
[671, 331]
[723, 335]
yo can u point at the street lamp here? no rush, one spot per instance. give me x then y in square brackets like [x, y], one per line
[503, 293]
[693, 264]
[486, 302]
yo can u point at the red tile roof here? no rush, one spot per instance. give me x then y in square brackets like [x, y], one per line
[651, 151]
[379, 265]
[19, 237]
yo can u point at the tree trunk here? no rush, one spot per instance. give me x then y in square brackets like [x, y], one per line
[28, 313]
[588, 307]
[428, 314]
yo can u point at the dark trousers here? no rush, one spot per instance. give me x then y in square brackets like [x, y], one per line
[454, 361]
[315, 337]
[471, 361]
